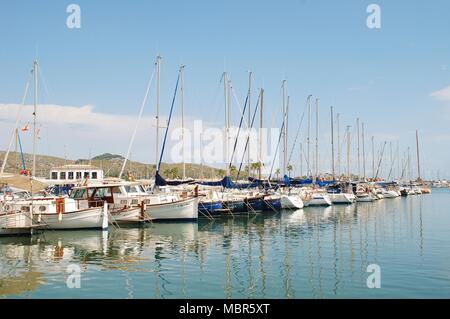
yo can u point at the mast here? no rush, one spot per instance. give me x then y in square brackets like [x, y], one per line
[398, 159]
[317, 138]
[418, 157]
[158, 89]
[301, 159]
[391, 157]
[260, 134]
[332, 143]
[409, 166]
[339, 147]
[249, 120]
[284, 127]
[227, 124]
[35, 74]
[363, 152]
[373, 158]
[308, 140]
[359, 158]
[182, 119]
[348, 153]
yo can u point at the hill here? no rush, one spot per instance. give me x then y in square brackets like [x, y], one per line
[111, 164]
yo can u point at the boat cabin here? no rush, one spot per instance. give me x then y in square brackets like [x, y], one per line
[118, 195]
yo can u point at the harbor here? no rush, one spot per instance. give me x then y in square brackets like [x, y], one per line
[310, 253]
[205, 153]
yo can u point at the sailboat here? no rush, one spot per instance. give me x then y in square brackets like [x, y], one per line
[169, 206]
[338, 193]
[318, 197]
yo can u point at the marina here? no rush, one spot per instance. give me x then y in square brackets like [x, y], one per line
[224, 151]
[315, 252]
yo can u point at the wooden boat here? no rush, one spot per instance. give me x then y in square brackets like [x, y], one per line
[16, 223]
[176, 210]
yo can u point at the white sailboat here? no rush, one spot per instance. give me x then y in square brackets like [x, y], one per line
[291, 201]
[318, 199]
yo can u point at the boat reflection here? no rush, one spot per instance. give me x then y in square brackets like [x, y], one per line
[315, 251]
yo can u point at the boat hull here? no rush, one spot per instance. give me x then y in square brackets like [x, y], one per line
[320, 201]
[185, 209]
[342, 198]
[291, 202]
[272, 203]
[129, 216]
[15, 224]
[209, 208]
[91, 218]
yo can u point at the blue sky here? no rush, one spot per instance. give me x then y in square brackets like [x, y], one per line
[385, 77]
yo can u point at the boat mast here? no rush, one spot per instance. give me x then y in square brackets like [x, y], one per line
[359, 158]
[373, 158]
[398, 159]
[317, 138]
[182, 119]
[286, 135]
[260, 134]
[363, 152]
[35, 74]
[158, 88]
[308, 140]
[284, 127]
[409, 167]
[249, 120]
[339, 147]
[332, 144]
[348, 153]
[418, 157]
[227, 124]
[301, 159]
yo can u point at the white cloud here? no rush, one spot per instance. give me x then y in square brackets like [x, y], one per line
[442, 95]
[83, 130]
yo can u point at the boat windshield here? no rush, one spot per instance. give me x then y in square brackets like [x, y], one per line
[131, 189]
[79, 194]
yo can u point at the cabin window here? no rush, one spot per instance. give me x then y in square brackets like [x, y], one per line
[54, 175]
[86, 174]
[91, 192]
[78, 194]
[103, 192]
[62, 175]
[78, 175]
[70, 175]
[94, 175]
[128, 189]
[142, 188]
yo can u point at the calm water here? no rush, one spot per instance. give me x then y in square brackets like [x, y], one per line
[310, 253]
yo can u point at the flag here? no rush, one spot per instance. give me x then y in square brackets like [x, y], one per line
[25, 128]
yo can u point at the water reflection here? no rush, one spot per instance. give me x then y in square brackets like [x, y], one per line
[312, 252]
